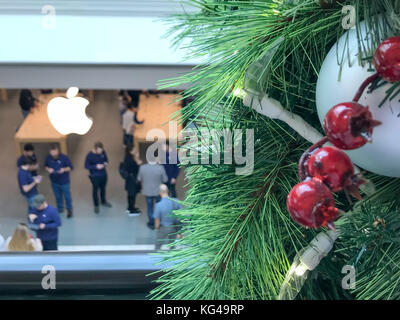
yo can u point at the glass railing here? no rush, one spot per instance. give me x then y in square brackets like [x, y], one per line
[78, 275]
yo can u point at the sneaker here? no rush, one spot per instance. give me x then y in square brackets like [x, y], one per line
[69, 213]
[133, 213]
[96, 209]
[106, 204]
[138, 210]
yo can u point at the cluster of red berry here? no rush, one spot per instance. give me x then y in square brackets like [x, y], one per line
[324, 170]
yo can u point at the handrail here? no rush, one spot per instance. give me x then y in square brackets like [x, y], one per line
[78, 271]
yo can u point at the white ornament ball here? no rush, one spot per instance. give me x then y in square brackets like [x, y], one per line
[382, 156]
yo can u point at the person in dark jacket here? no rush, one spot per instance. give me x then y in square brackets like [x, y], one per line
[170, 162]
[96, 162]
[27, 183]
[131, 167]
[45, 220]
[29, 154]
[26, 101]
[59, 166]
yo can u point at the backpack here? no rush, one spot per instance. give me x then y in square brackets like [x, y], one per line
[122, 171]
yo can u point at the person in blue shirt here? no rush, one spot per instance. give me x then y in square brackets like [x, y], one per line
[45, 220]
[165, 222]
[96, 162]
[59, 166]
[29, 153]
[27, 183]
[170, 162]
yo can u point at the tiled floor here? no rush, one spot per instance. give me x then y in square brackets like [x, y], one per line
[111, 226]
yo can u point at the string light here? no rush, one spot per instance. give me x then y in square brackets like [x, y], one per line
[304, 262]
[239, 92]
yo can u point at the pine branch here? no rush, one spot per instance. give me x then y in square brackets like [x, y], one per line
[370, 241]
[239, 239]
[241, 226]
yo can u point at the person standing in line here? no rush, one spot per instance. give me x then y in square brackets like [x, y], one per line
[151, 175]
[26, 101]
[131, 167]
[96, 162]
[59, 166]
[170, 162]
[29, 153]
[22, 240]
[27, 183]
[165, 222]
[124, 101]
[129, 122]
[45, 220]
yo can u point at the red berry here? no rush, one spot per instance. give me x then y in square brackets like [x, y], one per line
[349, 125]
[332, 166]
[311, 204]
[387, 59]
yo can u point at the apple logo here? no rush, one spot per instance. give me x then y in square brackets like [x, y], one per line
[69, 115]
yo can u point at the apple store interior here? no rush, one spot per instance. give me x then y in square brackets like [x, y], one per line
[69, 73]
[110, 229]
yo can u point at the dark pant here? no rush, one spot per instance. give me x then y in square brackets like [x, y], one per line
[131, 202]
[61, 192]
[127, 139]
[150, 208]
[25, 113]
[172, 189]
[99, 184]
[49, 245]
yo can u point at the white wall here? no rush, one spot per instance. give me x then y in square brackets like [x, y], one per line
[86, 51]
[87, 39]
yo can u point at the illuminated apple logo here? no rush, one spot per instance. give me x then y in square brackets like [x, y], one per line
[69, 115]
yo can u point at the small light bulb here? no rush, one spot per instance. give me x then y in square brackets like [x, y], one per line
[239, 92]
[300, 269]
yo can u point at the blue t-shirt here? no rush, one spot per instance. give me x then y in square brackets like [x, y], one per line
[164, 211]
[92, 160]
[51, 218]
[26, 178]
[33, 159]
[61, 162]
